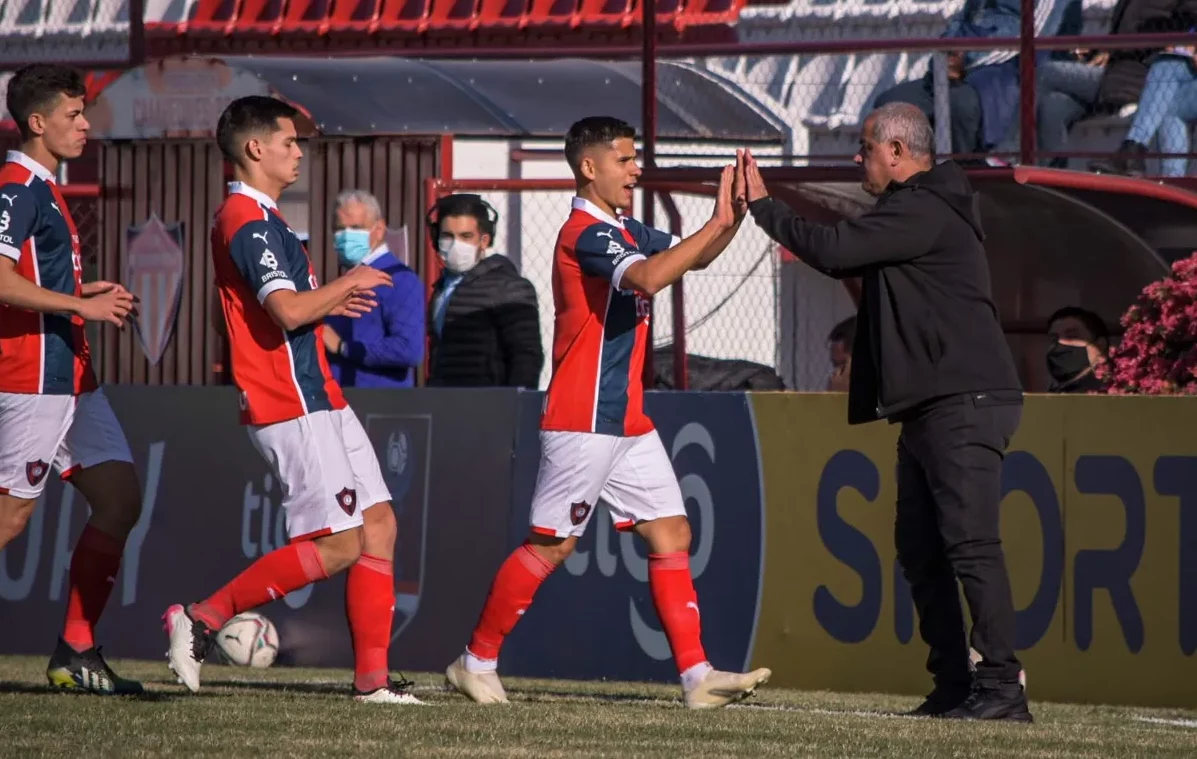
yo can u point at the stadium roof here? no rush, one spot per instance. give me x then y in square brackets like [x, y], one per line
[390, 95]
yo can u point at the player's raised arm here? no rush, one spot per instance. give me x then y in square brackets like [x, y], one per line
[651, 274]
[18, 216]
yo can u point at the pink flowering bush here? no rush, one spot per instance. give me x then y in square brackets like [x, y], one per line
[1158, 353]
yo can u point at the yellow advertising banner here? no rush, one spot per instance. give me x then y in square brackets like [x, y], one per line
[1099, 525]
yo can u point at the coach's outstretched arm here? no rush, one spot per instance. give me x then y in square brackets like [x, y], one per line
[650, 275]
[896, 230]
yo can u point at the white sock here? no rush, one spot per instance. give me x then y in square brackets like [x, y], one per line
[478, 666]
[693, 676]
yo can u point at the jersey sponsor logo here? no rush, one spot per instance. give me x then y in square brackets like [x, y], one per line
[712, 446]
[403, 445]
[35, 471]
[154, 271]
[273, 275]
[268, 259]
[347, 500]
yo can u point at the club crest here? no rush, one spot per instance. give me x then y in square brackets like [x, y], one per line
[347, 500]
[35, 471]
[578, 512]
[154, 272]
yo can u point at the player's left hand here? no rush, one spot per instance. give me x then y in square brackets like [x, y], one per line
[739, 183]
[99, 287]
[753, 182]
[332, 341]
[724, 214]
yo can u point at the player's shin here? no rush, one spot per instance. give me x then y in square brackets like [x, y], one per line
[370, 605]
[94, 565]
[510, 595]
[677, 606]
[273, 576]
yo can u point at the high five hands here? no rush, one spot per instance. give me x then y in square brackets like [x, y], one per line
[750, 184]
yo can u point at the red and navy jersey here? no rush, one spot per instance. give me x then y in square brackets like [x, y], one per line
[600, 330]
[281, 375]
[41, 353]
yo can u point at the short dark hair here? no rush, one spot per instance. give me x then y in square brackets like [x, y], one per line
[463, 204]
[243, 117]
[1094, 323]
[592, 131]
[844, 332]
[37, 87]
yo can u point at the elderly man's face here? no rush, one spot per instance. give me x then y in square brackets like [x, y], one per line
[875, 159]
[355, 215]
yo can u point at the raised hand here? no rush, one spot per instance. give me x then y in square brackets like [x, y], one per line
[725, 214]
[739, 200]
[753, 182]
[112, 305]
[355, 304]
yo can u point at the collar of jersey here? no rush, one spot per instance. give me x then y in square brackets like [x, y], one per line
[16, 156]
[241, 188]
[582, 204]
[376, 254]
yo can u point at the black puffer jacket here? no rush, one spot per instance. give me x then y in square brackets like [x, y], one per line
[491, 336]
[1125, 73]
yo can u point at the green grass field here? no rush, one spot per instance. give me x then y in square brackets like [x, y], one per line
[308, 712]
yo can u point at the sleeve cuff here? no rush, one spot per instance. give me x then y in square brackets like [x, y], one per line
[674, 241]
[10, 251]
[272, 285]
[624, 265]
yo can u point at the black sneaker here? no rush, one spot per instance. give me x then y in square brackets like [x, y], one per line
[1007, 702]
[87, 671]
[942, 699]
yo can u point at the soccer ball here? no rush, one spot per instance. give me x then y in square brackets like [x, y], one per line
[249, 640]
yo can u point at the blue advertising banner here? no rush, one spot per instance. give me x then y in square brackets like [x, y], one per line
[594, 617]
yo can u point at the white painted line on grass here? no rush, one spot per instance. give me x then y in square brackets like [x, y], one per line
[1161, 721]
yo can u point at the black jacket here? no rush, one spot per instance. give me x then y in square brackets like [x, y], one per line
[929, 327]
[491, 335]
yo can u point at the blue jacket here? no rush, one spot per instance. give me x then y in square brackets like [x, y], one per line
[384, 347]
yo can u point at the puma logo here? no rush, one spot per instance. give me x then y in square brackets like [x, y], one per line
[10, 198]
[56, 208]
[605, 233]
[259, 236]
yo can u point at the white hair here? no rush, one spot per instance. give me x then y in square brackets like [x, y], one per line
[373, 209]
[907, 124]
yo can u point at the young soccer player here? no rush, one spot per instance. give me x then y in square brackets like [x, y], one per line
[596, 441]
[52, 414]
[338, 507]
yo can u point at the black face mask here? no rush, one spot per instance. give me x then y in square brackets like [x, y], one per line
[1065, 362]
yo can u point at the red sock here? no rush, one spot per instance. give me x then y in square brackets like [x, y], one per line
[677, 606]
[510, 594]
[94, 564]
[370, 606]
[269, 578]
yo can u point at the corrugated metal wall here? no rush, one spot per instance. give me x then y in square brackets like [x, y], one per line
[184, 180]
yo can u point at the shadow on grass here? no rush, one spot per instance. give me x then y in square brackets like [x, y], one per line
[29, 689]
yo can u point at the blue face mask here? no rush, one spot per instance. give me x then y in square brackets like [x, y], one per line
[352, 245]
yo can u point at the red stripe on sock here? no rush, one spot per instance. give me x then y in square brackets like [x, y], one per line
[510, 595]
[677, 606]
[369, 605]
[269, 578]
[94, 565]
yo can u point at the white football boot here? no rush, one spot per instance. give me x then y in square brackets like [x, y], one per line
[718, 688]
[190, 643]
[480, 687]
[393, 693]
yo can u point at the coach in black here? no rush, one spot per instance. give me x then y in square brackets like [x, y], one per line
[928, 354]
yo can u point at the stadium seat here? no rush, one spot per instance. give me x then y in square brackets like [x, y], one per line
[256, 16]
[621, 13]
[354, 15]
[21, 18]
[501, 13]
[403, 15]
[449, 15]
[307, 16]
[550, 13]
[704, 12]
[211, 17]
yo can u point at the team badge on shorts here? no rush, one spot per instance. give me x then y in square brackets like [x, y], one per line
[347, 500]
[578, 512]
[35, 471]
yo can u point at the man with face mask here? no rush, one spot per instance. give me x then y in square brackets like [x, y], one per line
[1080, 343]
[483, 320]
[384, 347]
[839, 345]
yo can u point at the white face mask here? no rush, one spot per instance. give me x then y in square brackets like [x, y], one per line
[457, 256]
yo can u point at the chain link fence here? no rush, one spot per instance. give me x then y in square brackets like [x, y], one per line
[751, 304]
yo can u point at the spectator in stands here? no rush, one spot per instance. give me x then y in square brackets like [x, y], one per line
[1168, 108]
[839, 343]
[1080, 343]
[983, 85]
[384, 347]
[1098, 83]
[485, 325]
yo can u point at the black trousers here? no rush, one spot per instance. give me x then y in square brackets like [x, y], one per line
[950, 455]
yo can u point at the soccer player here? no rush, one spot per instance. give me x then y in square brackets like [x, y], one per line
[338, 507]
[52, 413]
[595, 440]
